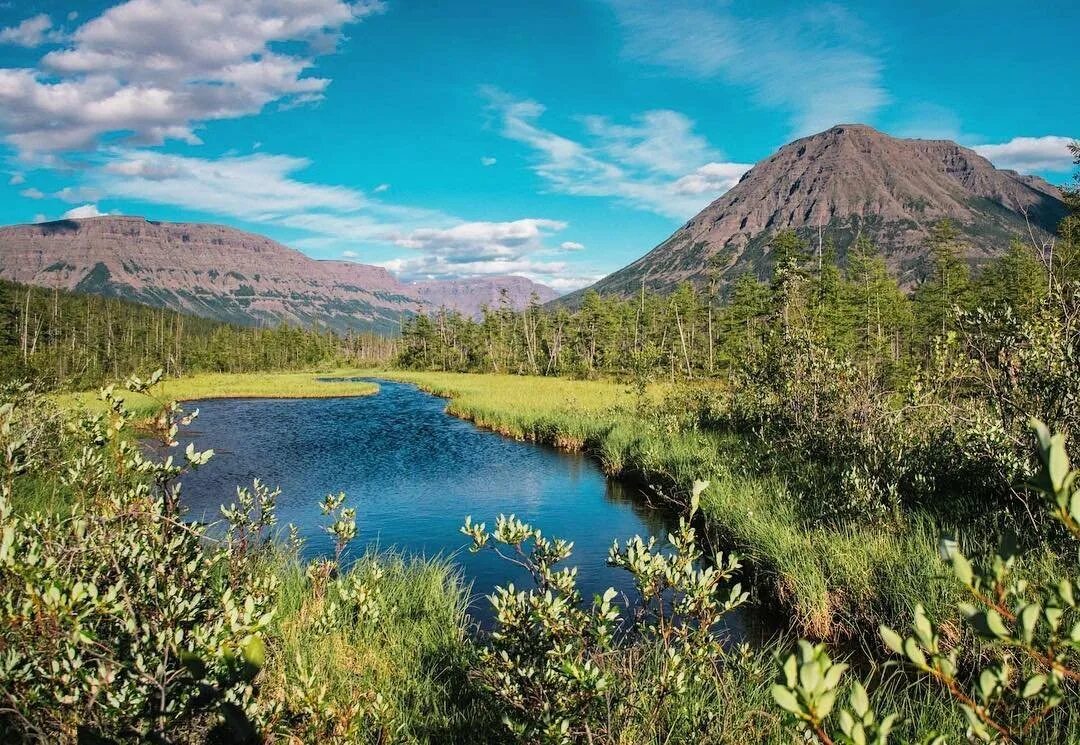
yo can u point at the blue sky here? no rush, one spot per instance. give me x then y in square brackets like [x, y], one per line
[559, 140]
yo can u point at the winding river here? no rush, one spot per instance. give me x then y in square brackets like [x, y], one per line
[413, 473]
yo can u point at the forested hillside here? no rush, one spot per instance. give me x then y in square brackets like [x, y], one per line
[856, 309]
[58, 338]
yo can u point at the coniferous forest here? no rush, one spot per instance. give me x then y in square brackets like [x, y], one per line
[56, 338]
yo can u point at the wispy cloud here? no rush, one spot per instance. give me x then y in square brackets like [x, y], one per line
[644, 163]
[267, 189]
[487, 160]
[1027, 154]
[814, 64]
[157, 69]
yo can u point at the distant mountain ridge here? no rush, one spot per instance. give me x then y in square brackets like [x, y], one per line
[218, 272]
[469, 296]
[847, 181]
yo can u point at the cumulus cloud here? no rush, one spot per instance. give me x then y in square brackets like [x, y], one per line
[33, 32]
[157, 69]
[1027, 154]
[32, 193]
[350, 255]
[487, 160]
[381, 188]
[657, 162]
[86, 210]
[814, 63]
[571, 246]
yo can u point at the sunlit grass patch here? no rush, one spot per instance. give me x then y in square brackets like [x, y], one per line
[234, 385]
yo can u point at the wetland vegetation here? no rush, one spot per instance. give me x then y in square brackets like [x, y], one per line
[891, 471]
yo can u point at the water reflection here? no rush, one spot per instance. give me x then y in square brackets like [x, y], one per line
[413, 473]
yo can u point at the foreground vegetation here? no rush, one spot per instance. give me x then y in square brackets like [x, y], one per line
[123, 623]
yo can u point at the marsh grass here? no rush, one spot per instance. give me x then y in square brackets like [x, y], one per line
[232, 385]
[416, 656]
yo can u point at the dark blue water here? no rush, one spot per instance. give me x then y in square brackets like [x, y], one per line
[413, 473]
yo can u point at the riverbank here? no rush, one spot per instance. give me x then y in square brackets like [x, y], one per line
[309, 384]
[837, 584]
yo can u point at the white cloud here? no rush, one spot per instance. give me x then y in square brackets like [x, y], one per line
[265, 189]
[381, 188]
[571, 246]
[40, 218]
[76, 194]
[32, 193]
[87, 210]
[656, 163]
[487, 160]
[33, 32]
[812, 63]
[1027, 154]
[16, 179]
[711, 178]
[158, 69]
[252, 187]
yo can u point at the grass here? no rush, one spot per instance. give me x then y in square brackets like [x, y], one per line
[416, 656]
[832, 583]
[234, 385]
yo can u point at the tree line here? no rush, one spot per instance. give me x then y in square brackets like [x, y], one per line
[57, 338]
[854, 307]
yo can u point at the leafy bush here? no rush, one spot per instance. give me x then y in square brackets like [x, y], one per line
[560, 671]
[119, 621]
[1011, 687]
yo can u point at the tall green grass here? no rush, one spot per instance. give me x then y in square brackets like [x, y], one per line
[416, 656]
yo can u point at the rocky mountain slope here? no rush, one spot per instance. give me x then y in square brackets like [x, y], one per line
[213, 271]
[470, 295]
[848, 181]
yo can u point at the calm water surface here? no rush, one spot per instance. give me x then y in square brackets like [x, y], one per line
[413, 473]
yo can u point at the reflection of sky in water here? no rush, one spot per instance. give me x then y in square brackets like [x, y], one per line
[413, 473]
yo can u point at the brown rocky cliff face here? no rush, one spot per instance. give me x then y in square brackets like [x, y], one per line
[838, 184]
[218, 272]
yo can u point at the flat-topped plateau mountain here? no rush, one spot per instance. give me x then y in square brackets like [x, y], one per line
[231, 275]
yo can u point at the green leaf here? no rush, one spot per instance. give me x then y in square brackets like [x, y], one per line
[892, 640]
[786, 700]
[962, 568]
[1034, 685]
[860, 703]
[911, 649]
[254, 651]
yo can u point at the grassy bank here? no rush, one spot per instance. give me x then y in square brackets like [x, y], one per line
[833, 583]
[234, 385]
